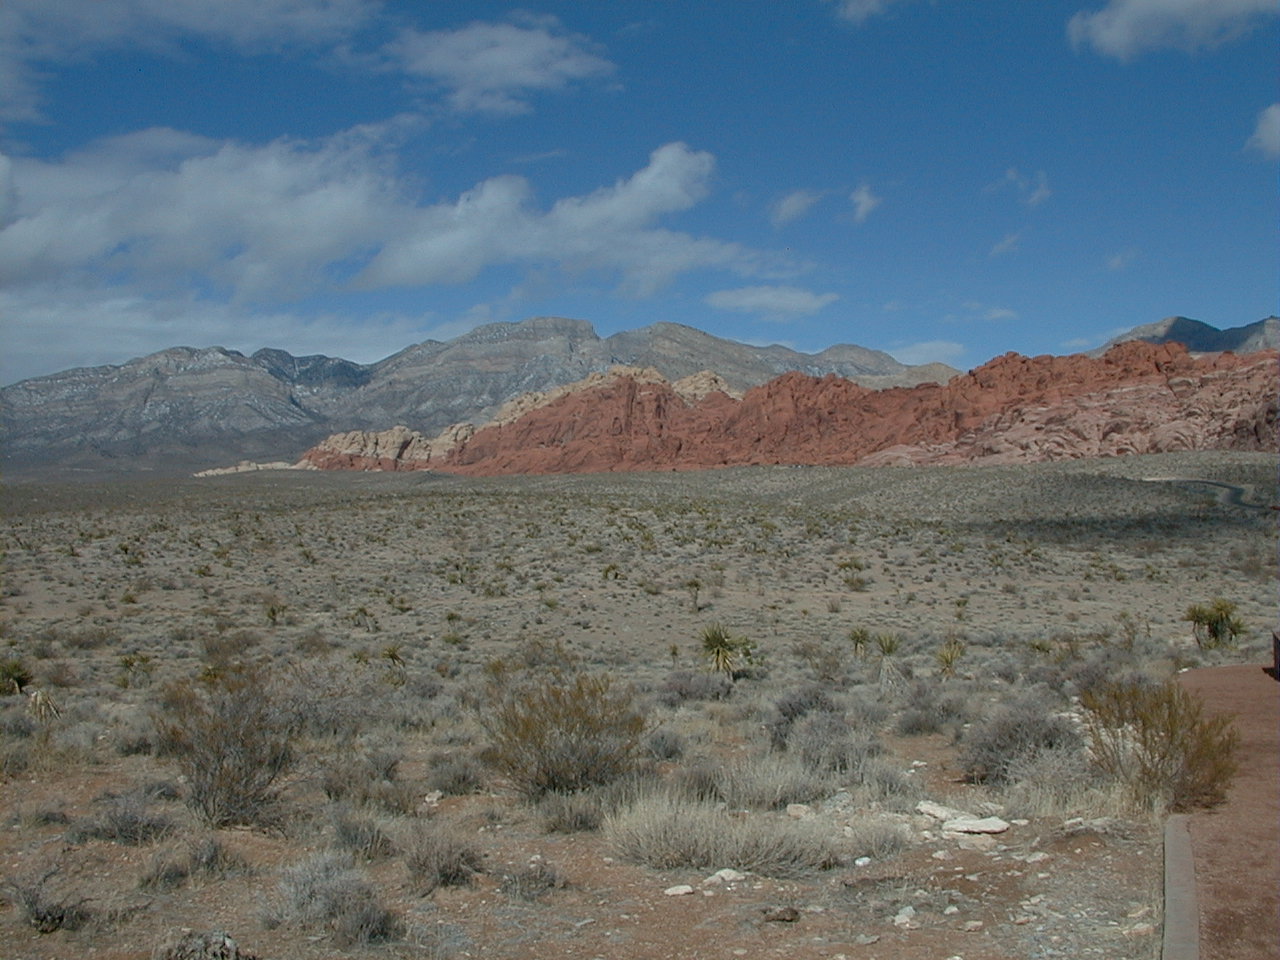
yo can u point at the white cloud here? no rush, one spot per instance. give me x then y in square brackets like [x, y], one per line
[859, 11]
[928, 351]
[793, 206]
[1008, 244]
[864, 201]
[35, 34]
[771, 302]
[1121, 260]
[1000, 313]
[1032, 191]
[1126, 28]
[494, 67]
[611, 229]
[163, 208]
[1266, 135]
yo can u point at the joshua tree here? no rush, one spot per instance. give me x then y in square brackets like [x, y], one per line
[725, 651]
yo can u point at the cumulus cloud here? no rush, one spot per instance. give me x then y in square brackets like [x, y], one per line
[793, 206]
[157, 213]
[859, 11]
[771, 302]
[928, 351]
[1123, 29]
[1266, 134]
[494, 67]
[864, 201]
[35, 34]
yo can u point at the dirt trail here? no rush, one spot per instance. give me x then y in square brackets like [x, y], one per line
[1237, 845]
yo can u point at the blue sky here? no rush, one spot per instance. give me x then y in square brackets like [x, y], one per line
[941, 179]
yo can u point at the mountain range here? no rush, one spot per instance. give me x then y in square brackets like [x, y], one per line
[189, 408]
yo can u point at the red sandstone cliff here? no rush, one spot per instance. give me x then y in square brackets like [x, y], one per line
[1138, 398]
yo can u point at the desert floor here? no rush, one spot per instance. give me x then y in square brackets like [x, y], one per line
[897, 617]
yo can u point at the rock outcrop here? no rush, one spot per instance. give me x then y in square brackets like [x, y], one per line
[1138, 398]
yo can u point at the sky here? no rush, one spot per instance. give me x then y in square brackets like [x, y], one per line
[945, 180]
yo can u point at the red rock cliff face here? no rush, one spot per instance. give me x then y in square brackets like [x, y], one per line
[1138, 398]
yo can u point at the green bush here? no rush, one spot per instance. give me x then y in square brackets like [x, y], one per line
[560, 734]
[1214, 624]
[1156, 740]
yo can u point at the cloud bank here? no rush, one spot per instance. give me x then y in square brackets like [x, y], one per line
[1124, 29]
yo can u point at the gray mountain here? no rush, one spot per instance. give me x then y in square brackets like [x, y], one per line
[1200, 337]
[185, 408]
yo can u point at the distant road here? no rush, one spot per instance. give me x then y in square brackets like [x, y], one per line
[1229, 494]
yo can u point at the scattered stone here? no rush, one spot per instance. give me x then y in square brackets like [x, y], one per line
[950, 910]
[781, 914]
[679, 890]
[862, 861]
[1141, 930]
[972, 926]
[981, 842]
[905, 917]
[939, 812]
[866, 939]
[972, 825]
[942, 855]
[727, 875]
[1037, 857]
[800, 811]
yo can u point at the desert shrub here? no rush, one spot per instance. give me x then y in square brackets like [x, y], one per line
[770, 782]
[791, 707]
[232, 739]
[930, 708]
[368, 778]
[667, 832]
[437, 855]
[878, 839]
[683, 685]
[361, 834]
[532, 881]
[203, 857]
[1157, 741]
[1059, 782]
[45, 909]
[124, 819]
[665, 744]
[557, 733]
[888, 784]
[455, 773]
[826, 742]
[1012, 734]
[324, 892]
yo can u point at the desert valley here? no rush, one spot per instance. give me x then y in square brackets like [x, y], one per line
[551, 687]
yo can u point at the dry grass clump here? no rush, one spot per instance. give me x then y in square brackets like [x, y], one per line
[204, 857]
[46, 909]
[438, 855]
[668, 832]
[124, 819]
[324, 892]
[1155, 739]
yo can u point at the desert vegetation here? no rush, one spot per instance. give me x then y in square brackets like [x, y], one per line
[416, 715]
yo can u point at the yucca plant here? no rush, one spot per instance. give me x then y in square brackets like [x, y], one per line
[725, 652]
[948, 655]
[1214, 624]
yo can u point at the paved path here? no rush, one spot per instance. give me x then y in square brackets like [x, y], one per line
[1236, 845]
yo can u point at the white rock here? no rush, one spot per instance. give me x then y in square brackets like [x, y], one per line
[1037, 857]
[679, 890]
[972, 926]
[981, 842]
[862, 861]
[726, 875]
[939, 812]
[971, 825]
[799, 811]
[942, 855]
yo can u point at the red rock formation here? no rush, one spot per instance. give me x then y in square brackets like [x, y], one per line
[1138, 398]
